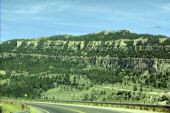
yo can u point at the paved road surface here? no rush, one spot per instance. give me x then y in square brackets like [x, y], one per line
[57, 108]
[62, 108]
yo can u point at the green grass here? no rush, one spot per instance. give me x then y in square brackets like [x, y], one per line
[8, 107]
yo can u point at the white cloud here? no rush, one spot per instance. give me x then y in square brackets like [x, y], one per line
[166, 7]
[36, 8]
[29, 10]
[163, 7]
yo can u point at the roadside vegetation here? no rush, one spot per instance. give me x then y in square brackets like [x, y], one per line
[10, 107]
[17, 107]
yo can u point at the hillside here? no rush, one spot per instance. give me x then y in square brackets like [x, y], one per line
[104, 66]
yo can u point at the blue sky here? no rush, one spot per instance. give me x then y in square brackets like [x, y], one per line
[36, 18]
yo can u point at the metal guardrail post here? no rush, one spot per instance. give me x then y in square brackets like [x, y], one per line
[0, 109]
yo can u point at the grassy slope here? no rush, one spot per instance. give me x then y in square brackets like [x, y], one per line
[105, 93]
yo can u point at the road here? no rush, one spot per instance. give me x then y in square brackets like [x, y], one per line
[64, 108]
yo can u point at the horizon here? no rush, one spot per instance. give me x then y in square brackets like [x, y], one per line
[30, 19]
[78, 35]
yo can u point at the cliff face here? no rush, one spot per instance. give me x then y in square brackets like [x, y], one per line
[101, 58]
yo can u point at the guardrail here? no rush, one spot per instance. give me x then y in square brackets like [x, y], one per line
[0, 109]
[148, 107]
[158, 108]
